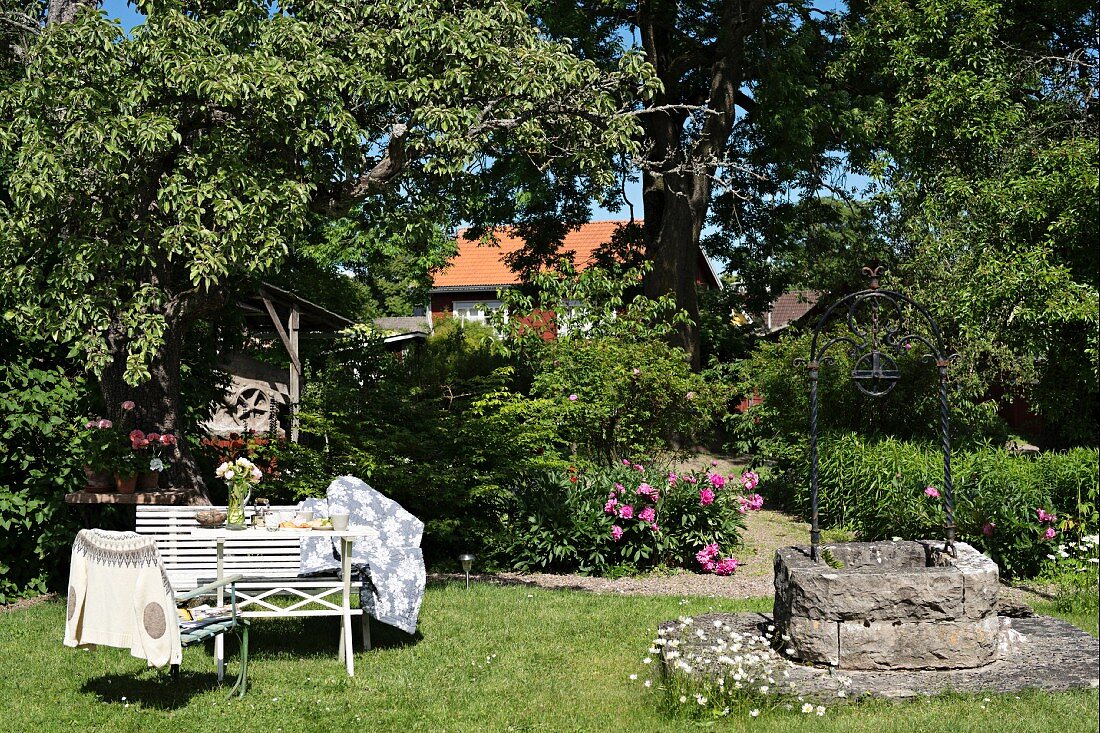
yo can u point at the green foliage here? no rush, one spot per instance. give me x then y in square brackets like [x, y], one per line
[149, 171]
[978, 124]
[778, 427]
[876, 487]
[40, 461]
[607, 378]
[564, 521]
[1074, 568]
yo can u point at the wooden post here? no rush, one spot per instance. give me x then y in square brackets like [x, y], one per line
[295, 373]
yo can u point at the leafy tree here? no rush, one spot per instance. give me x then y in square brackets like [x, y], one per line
[744, 118]
[152, 174]
[980, 122]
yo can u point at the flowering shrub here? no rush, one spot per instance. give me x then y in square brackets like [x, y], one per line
[711, 669]
[1074, 567]
[627, 515]
[114, 448]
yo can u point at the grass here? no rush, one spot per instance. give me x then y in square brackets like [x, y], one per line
[488, 659]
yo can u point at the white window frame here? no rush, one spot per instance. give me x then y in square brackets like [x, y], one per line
[475, 311]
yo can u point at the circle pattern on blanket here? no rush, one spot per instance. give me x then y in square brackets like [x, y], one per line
[153, 618]
[70, 605]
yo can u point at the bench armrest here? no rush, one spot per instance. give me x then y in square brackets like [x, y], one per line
[209, 587]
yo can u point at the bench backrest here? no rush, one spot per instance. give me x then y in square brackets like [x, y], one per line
[191, 561]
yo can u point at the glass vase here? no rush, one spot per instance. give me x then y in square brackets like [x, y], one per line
[238, 497]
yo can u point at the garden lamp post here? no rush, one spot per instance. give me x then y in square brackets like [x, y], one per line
[467, 562]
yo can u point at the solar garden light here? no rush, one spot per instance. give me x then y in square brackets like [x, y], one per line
[467, 562]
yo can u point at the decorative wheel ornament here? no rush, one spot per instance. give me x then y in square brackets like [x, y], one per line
[252, 404]
[875, 373]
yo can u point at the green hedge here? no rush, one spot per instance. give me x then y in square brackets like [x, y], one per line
[877, 488]
[40, 404]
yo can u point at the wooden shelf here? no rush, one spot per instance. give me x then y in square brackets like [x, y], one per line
[161, 496]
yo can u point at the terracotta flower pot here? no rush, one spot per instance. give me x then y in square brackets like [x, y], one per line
[125, 484]
[99, 481]
[147, 480]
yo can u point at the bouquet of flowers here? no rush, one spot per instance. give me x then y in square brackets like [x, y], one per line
[239, 475]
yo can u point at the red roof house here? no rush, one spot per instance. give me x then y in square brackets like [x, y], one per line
[478, 271]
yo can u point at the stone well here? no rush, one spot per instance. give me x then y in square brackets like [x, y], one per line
[888, 605]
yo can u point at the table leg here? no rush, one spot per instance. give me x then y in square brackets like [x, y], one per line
[219, 640]
[345, 623]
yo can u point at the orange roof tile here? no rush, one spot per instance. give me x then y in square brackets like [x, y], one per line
[483, 265]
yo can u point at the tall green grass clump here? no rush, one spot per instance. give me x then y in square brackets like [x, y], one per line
[1015, 509]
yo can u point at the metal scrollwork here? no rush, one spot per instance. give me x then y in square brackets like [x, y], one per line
[881, 325]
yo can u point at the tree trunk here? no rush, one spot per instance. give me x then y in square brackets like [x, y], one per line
[680, 165]
[673, 224]
[62, 11]
[157, 400]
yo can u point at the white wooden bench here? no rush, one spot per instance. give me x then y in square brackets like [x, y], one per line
[269, 565]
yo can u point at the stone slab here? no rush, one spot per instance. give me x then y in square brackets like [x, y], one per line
[885, 581]
[813, 640]
[919, 645]
[1040, 653]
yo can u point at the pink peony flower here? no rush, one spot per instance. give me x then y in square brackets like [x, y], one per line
[626, 462]
[750, 503]
[91, 424]
[103, 424]
[626, 511]
[256, 474]
[618, 487]
[672, 478]
[749, 480]
[616, 532]
[647, 514]
[987, 529]
[128, 405]
[726, 566]
[690, 396]
[1049, 534]
[706, 497]
[609, 507]
[572, 398]
[709, 552]
[690, 479]
[1045, 516]
[639, 467]
[716, 480]
[932, 492]
[654, 528]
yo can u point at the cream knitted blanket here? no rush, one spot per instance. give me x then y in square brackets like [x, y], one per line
[119, 596]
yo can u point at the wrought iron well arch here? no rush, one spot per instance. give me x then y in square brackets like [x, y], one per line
[878, 322]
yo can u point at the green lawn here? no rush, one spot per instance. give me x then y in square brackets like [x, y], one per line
[491, 658]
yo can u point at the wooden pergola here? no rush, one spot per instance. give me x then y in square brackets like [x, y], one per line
[293, 318]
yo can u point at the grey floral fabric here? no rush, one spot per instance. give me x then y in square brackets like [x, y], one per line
[389, 559]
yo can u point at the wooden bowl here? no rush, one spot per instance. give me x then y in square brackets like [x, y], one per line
[209, 517]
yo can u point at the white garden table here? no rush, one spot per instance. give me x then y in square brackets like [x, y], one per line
[314, 591]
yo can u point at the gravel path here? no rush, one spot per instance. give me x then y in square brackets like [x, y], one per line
[765, 531]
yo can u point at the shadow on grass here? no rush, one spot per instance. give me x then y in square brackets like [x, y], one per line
[154, 688]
